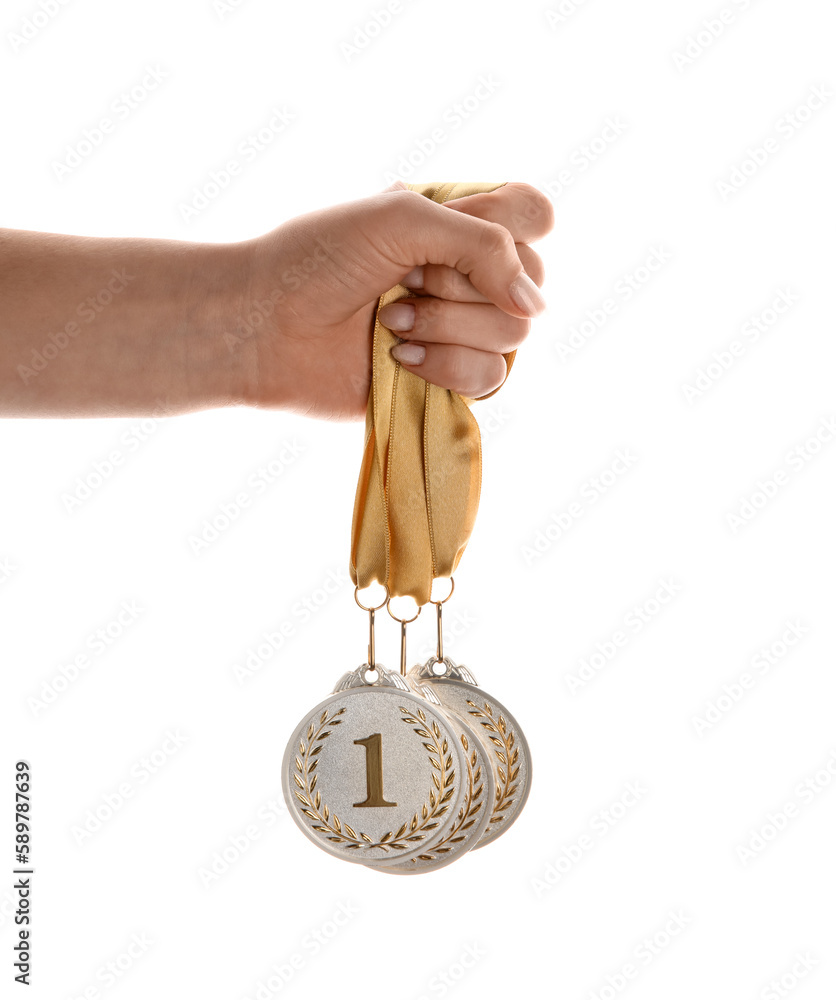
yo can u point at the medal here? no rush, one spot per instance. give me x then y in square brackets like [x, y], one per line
[503, 742]
[502, 738]
[406, 771]
[469, 823]
[373, 773]
[464, 828]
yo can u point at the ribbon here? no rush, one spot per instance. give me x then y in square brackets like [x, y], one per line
[421, 473]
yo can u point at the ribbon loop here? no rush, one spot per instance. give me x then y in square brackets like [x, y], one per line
[420, 477]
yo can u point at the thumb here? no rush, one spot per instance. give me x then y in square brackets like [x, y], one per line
[384, 238]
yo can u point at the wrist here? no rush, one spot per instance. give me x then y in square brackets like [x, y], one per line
[223, 361]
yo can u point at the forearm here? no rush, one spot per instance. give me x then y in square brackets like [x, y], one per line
[95, 327]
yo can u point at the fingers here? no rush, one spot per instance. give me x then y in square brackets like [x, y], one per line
[465, 370]
[457, 322]
[415, 231]
[361, 249]
[523, 210]
[469, 324]
[447, 283]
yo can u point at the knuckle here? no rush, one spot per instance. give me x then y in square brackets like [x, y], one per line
[401, 208]
[427, 315]
[495, 240]
[449, 285]
[535, 207]
[407, 196]
[538, 206]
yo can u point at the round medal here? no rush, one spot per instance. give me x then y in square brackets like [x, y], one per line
[373, 773]
[498, 730]
[465, 827]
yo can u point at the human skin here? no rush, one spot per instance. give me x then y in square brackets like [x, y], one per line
[108, 327]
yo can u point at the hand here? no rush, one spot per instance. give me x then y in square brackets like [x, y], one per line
[307, 314]
[94, 327]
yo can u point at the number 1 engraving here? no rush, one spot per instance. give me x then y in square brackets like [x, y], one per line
[374, 772]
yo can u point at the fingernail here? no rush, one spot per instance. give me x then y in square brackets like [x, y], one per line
[415, 278]
[398, 316]
[526, 295]
[409, 354]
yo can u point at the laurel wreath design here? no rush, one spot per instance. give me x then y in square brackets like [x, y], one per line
[467, 814]
[507, 755]
[329, 824]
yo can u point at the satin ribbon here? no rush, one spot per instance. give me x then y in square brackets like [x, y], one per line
[418, 490]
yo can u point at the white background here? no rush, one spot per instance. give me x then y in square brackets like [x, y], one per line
[531, 917]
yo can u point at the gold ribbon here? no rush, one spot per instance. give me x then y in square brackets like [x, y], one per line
[421, 473]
